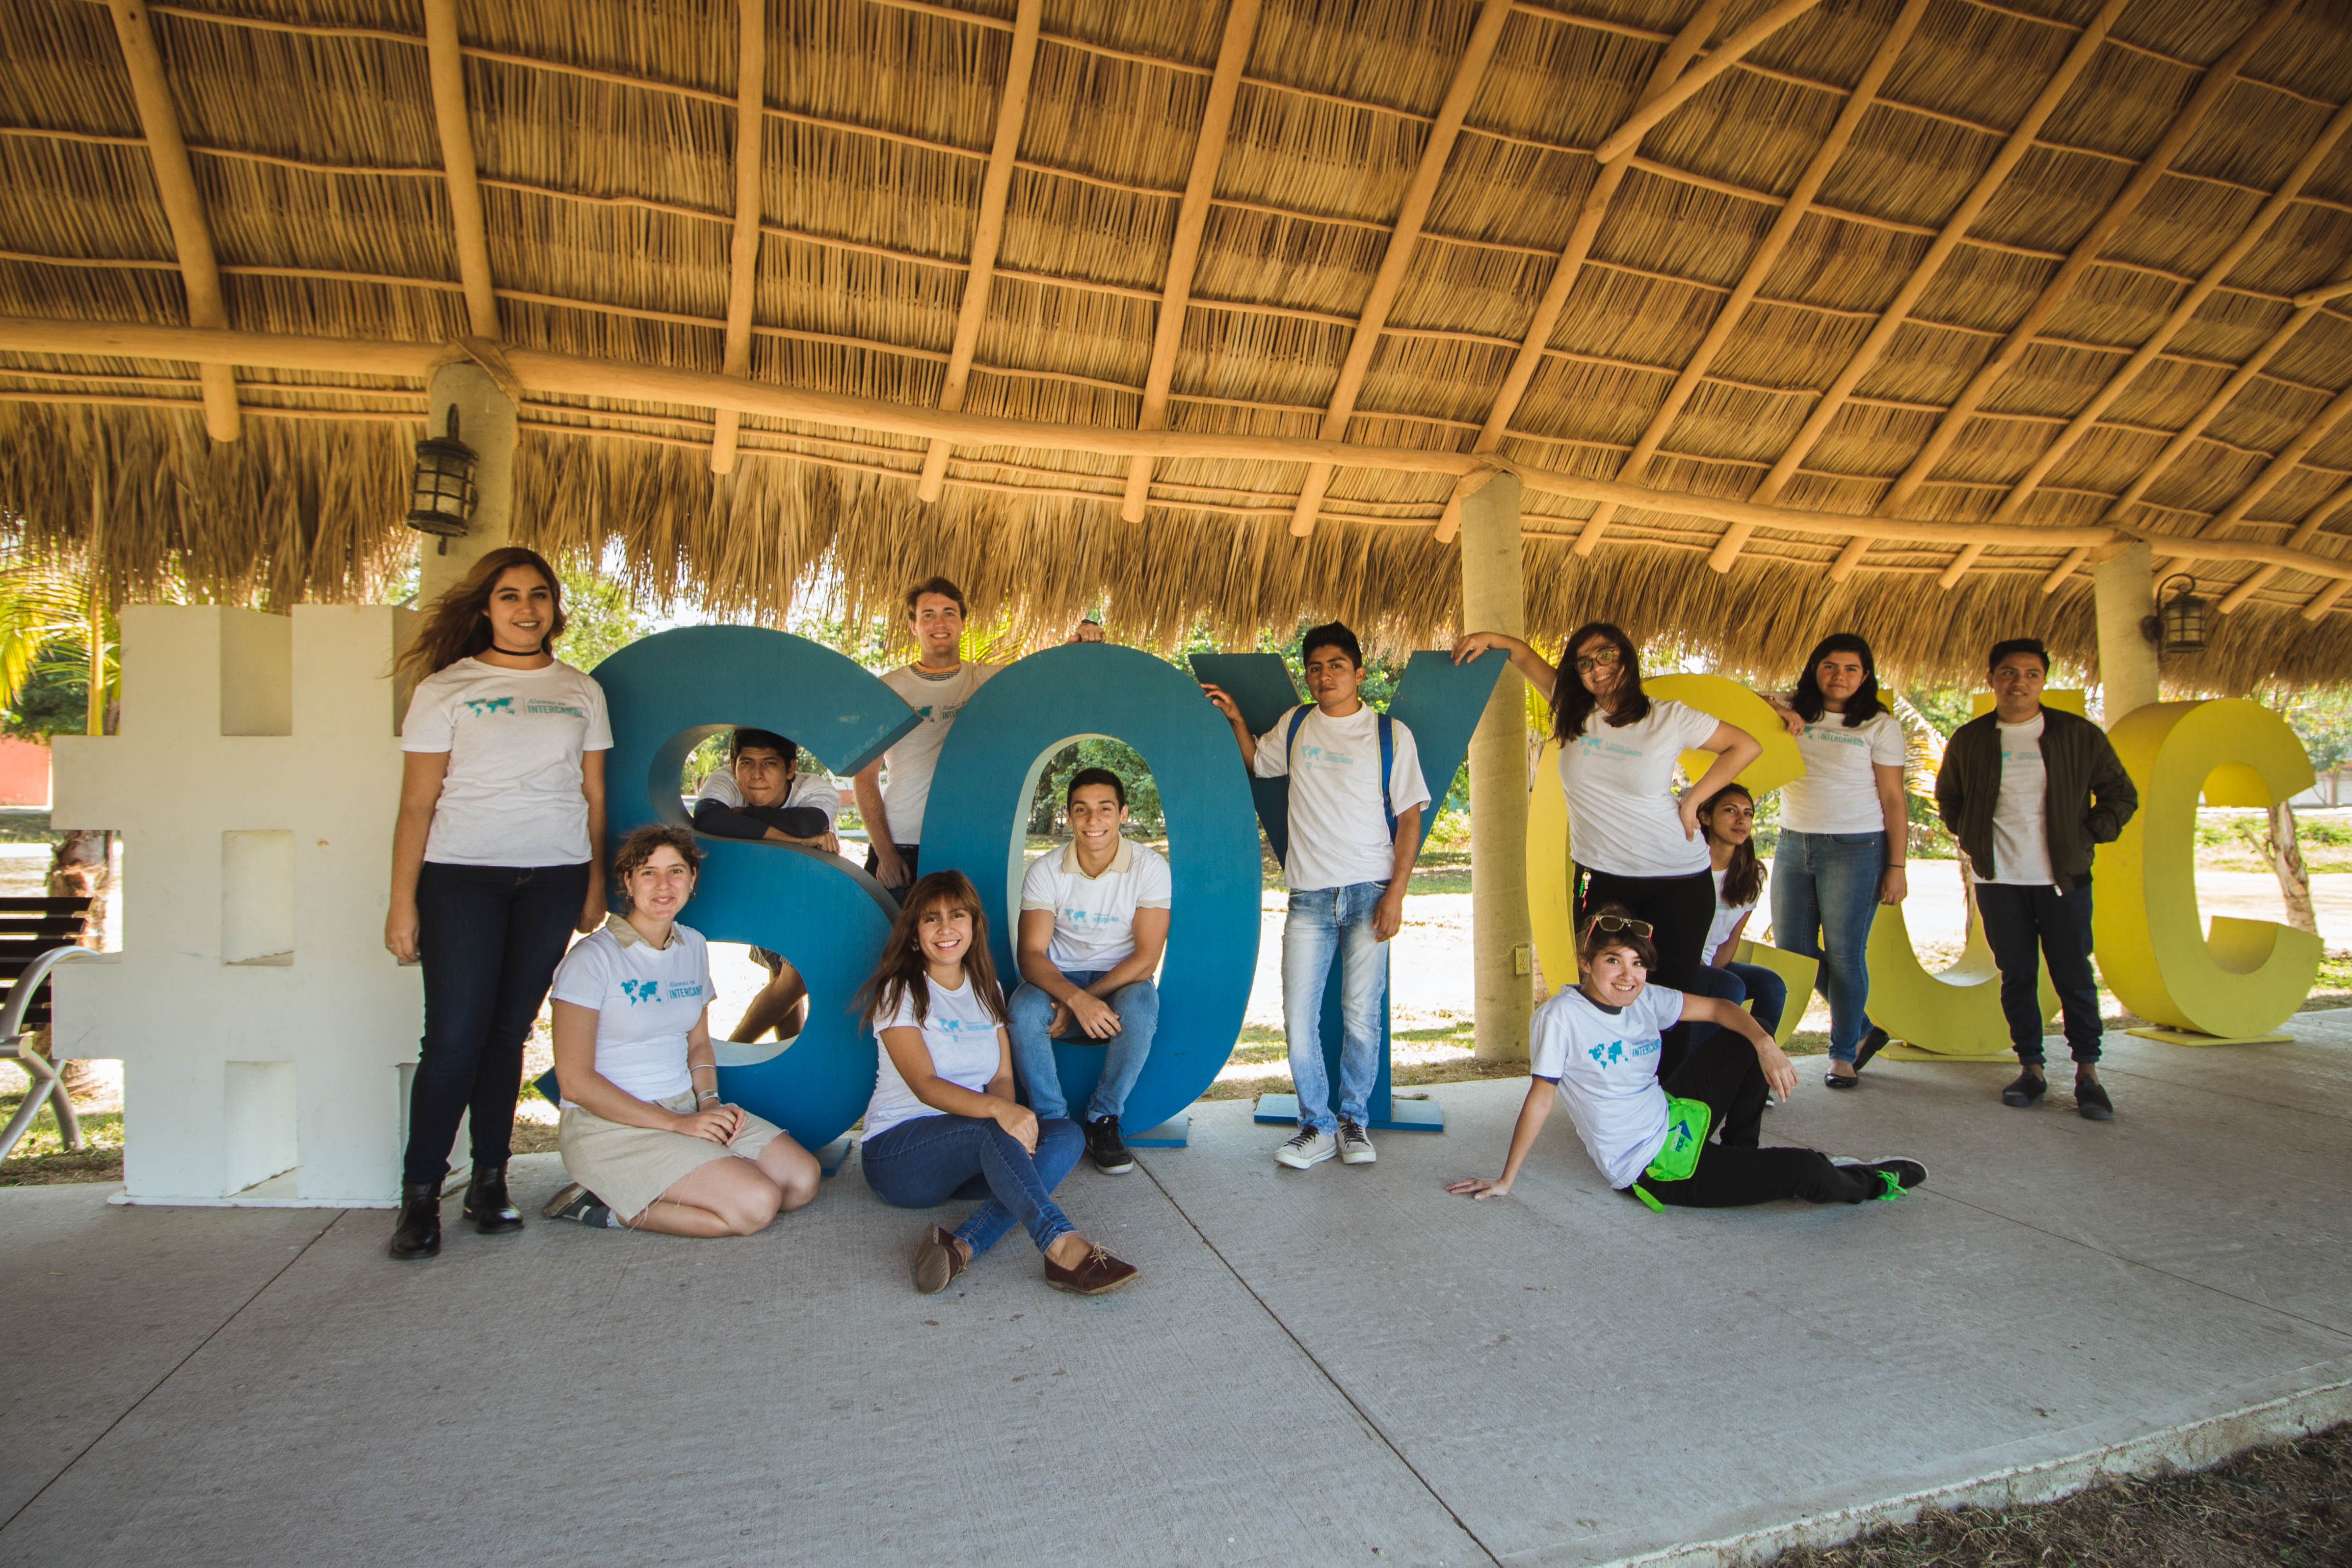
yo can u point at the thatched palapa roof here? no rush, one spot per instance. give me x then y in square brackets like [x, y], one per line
[1887, 314]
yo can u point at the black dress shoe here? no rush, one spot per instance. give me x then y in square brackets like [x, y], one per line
[418, 1234]
[487, 1203]
[2025, 1089]
[1871, 1044]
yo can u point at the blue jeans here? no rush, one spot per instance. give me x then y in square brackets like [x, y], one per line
[1824, 898]
[489, 938]
[1740, 983]
[922, 1164]
[1138, 1007]
[1325, 923]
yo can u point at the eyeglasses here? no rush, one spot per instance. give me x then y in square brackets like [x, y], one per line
[1613, 923]
[1594, 662]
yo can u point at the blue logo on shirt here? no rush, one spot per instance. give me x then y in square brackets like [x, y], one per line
[638, 990]
[1616, 1051]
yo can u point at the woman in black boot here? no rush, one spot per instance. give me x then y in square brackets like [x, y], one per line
[493, 866]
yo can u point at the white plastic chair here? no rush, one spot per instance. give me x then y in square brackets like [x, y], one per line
[16, 1045]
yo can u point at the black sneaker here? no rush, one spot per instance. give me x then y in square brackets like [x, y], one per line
[1897, 1176]
[1109, 1150]
[2026, 1090]
[2091, 1101]
[577, 1203]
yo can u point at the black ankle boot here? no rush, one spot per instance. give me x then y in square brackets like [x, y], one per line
[418, 1234]
[487, 1205]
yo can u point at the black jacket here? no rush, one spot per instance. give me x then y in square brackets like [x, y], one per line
[2089, 796]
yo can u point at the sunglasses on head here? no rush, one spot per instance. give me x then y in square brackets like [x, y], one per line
[1613, 923]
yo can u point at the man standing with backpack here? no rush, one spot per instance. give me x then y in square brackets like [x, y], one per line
[1356, 799]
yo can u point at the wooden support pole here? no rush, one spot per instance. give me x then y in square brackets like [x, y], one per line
[1502, 936]
[1192, 223]
[743, 255]
[1468, 72]
[988, 232]
[1638, 124]
[1890, 320]
[2124, 596]
[183, 210]
[445, 67]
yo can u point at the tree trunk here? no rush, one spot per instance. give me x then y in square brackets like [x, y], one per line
[2285, 856]
[79, 869]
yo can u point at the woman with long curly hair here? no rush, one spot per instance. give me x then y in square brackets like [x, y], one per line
[1633, 842]
[944, 1123]
[493, 866]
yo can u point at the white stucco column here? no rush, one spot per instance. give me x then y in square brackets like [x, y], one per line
[1502, 938]
[2125, 593]
[485, 422]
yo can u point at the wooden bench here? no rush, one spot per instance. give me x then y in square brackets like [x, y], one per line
[36, 936]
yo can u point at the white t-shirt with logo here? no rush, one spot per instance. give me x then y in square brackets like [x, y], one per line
[1621, 794]
[1727, 916]
[2020, 832]
[961, 1038]
[1606, 1061]
[511, 796]
[1339, 834]
[646, 1001]
[811, 789]
[1093, 917]
[907, 766]
[1838, 793]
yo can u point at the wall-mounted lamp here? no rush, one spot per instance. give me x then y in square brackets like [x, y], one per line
[2178, 625]
[441, 497]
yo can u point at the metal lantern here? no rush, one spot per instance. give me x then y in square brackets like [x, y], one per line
[441, 497]
[2177, 627]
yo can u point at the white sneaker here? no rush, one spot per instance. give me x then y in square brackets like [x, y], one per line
[1356, 1145]
[1305, 1148]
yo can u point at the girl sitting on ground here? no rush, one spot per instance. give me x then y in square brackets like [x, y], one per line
[1728, 819]
[647, 1141]
[1597, 1047]
[944, 1123]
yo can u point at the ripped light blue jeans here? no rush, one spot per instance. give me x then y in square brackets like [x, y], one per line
[1325, 923]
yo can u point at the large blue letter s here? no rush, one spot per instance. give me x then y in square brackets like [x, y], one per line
[666, 694]
[978, 818]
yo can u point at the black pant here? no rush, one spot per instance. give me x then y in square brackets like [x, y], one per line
[1722, 1071]
[909, 853]
[2017, 920]
[491, 937]
[1679, 909]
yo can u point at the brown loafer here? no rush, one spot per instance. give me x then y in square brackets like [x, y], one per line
[1097, 1274]
[938, 1260]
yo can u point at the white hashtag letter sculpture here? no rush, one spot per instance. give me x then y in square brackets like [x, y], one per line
[261, 1025]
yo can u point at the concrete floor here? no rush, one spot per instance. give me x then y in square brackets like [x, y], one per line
[1340, 1365]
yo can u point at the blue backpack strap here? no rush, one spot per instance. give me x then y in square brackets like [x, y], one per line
[1290, 735]
[1388, 766]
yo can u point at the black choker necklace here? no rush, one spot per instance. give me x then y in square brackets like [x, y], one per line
[516, 652]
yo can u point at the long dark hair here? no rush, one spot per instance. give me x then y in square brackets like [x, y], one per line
[902, 968]
[1743, 878]
[458, 623]
[1571, 704]
[1861, 707]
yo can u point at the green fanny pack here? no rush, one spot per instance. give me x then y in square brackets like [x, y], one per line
[1686, 1125]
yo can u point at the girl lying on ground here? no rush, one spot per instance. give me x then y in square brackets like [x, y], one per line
[645, 1137]
[943, 1123]
[1598, 1046]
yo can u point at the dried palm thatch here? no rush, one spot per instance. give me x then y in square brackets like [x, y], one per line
[2016, 280]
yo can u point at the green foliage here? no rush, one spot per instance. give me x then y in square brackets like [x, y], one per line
[601, 615]
[54, 699]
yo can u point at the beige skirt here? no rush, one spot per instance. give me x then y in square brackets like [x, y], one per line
[629, 1167]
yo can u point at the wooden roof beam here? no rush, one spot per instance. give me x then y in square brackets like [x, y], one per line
[988, 231]
[2304, 532]
[183, 210]
[1677, 55]
[1468, 72]
[1646, 116]
[2289, 457]
[2216, 82]
[1891, 319]
[1759, 265]
[2255, 231]
[1192, 223]
[743, 255]
[446, 65]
